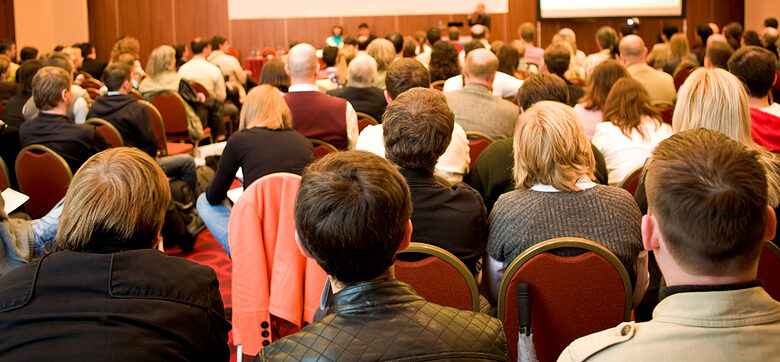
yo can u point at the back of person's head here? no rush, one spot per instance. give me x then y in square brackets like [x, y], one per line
[273, 74]
[719, 53]
[179, 48]
[404, 74]
[329, 55]
[607, 37]
[433, 35]
[479, 31]
[703, 31]
[265, 107]
[769, 37]
[542, 87]
[115, 75]
[626, 29]
[550, 148]
[5, 45]
[362, 26]
[417, 128]
[453, 33]
[750, 38]
[161, 60]
[626, 104]
[116, 200]
[26, 72]
[361, 71]
[508, 59]
[60, 60]
[755, 67]
[601, 80]
[302, 61]
[351, 214]
[557, 57]
[5, 61]
[410, 46]
[733, 30]
[527, 32]
[444, 60]
[383, 51]
[472, 45]
[125, 44]
[86, 49]
[770, 22]
[28, 53]
[198, 45]
[398, 41]
[668, 30]
[678, 45]
[708, 195]
[47, 87]
[569, 36]
[632, 46]
[481, 64]
[217, 41]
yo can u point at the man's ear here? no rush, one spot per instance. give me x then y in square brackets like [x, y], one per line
[287, 69]
[650, 233]
[300, 246]
[387, 97]
[771, 222]
[407, 237]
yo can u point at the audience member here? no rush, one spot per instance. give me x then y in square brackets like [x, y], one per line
[366, 192]
[201, 71]
[770, 22]
[557, 58]
[230, 66]
[383, 51]
[480, 33]
[607, 41]
[316, 115]
[128, 45]
[8, 89]
[410, 46]
[453, 34]
[265, 144]
[755, 67]
[28, 53]
[418, 127]
[90, 64]
[402, 75]
[555, 196]
[679, 52]
[80, 104]
[475, 108]
[329, 69]
[733, 33]
[578, 59]
[105, 269]
[336, 37]
[274, 74]
[503, 86]
[8, 48]
[12, 114]
[718, 54]
[432, 36]
[398, 43]
[364, 36]
[769, 39]
[590, 110]
[750, 38]
[508, 61]
[706, 224]
[704, 32]
[444, 61]
[659, 85]
[346, 53]
[359, 91]
[630, 131]
[660, 52]
[526, 34]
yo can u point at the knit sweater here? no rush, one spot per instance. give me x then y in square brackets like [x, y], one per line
[604, 214]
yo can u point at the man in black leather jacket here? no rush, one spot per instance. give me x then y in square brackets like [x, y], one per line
[352, 214]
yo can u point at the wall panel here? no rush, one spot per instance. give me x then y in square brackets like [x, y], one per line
[147, 20]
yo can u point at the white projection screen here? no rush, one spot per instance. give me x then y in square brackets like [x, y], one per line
[571, 9]
[265, 9]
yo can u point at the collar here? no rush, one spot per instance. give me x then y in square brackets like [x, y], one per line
[417, 175]
[113, 93]
[302, 88]
[53, 117]
[477, 87]
[583, 183]
[362, 296]
[708, 288]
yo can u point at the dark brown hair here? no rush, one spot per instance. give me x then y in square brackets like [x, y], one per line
[47, 87]
[755, 68]
[404, 74]
[542, 87]
[626, 103]
[444, 61]
[601, 80]
[273, 74]
[115, 75]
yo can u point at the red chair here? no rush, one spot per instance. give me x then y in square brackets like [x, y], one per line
[93, 93]
[776, 89]
[365, 120]
[631, 181]
[5, 179]
[174, 115]
[769, 269]
[438, 85]
[108, 131]
[199, 88]
[478, 142]
[666, 114]
[164, 148]
[571, 297]
[91, 83]
[44, 176]
[440, 278]
[682, 72]
[322, 148]
[135, 94]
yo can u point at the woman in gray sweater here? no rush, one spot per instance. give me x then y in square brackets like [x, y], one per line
[555, 196]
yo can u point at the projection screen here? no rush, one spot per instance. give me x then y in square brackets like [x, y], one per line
[570, 9]
[264, 9]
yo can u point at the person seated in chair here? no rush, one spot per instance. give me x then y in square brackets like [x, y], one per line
[352, 216]
[706, 224]
[106, 293]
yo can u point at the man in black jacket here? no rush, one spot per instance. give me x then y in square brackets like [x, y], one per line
[352, 216]
[91, 64]
[359, 92]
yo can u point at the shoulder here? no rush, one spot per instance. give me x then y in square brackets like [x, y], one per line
[589, 346]
[616, 197]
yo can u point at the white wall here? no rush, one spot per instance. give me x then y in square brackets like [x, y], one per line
[758, 10]
[45, 24]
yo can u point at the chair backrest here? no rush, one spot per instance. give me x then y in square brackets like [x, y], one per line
[44, 176]
[440, 278]
[478, 142]
[666, 114]
[157, 126]
[91, 83]
[199, 88]
[365, 120]
[769, 269]
[108, 131]
[93, 93]
[322, 148]
[442, 180]
[5, 179]
[570, 296]
[631, 181]
[438, 85]
[136, 94]
[174, 115]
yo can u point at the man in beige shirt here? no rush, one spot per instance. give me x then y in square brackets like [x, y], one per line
[230, 66]
[659, 85]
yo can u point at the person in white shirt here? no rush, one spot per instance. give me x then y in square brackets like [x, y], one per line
[504, 85]
[607, 40]
[631, 130]
[590, 108]
[200, 70]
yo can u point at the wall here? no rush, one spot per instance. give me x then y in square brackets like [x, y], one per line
[45, 24]
[758, 10]
[7, 19]
[157, 22]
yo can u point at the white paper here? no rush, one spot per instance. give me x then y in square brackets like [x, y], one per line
[234, 194]
[13, 199]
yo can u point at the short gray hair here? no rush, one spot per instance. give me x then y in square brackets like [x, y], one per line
[361, 71]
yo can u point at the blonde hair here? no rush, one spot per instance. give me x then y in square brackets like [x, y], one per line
[119, 195]
[383, 51]
[679, 45]
[161, 60]
[125, 45]
[550, 148]
[716, 100]
[265, 107]
[346, 53]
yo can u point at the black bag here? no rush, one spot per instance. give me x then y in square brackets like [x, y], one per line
[182, 222]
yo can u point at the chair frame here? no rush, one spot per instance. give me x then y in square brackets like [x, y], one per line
[102, 122]
[476, 136]
[195, 142]
[90, 91]
[318, 142]
[4, 172]
[361, 115]
[557, 243]
[441, 180]
[626, 180]
[151, 106]
[773, 248]
[445, 255]
[437, 83]
[44, 149]
[197, 86]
